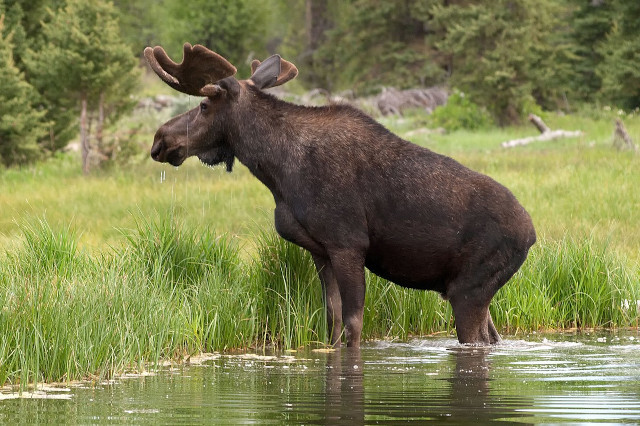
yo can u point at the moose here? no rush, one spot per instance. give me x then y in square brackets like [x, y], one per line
[351, 192]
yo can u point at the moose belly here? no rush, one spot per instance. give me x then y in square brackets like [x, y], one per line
[412, 265]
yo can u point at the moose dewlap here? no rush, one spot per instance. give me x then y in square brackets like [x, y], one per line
[350, 192]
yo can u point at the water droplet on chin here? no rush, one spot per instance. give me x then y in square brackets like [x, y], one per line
[163, 176]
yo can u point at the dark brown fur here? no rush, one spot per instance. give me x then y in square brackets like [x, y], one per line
[355, 195]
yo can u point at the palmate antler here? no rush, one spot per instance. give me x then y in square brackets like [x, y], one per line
[275, 71]
[198, 72]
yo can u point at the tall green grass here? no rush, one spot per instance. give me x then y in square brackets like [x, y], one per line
[173, 290]
[569, 284]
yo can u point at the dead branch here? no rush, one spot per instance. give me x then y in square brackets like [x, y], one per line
[546, 134]
[621, 138]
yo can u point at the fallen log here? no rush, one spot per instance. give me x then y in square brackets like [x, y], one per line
[546, 134]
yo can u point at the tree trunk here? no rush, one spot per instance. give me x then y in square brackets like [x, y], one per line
[100, 124]
[84, 134]
[621, 138]
[540, 125]
[52, 138]
[317, 22]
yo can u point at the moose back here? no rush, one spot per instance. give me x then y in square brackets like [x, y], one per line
[350, 192]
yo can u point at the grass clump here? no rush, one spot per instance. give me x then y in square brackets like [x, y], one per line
[569, 284]
[291, 302]
[174, 253]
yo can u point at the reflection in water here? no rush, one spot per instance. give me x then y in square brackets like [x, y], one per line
[579, 379]
[470, 383]
[344, 388]
[466, 399]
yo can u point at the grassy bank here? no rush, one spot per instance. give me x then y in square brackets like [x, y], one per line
[173, 290]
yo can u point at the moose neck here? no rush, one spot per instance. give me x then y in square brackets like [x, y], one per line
[263, 139]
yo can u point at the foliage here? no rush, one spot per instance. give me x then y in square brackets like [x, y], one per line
[141, 22]
[21, 123]
[235, 29]
[499, 63]
[25, 19]
[380, 44]
[460, 112]
[619, 69]
[591, 22]
[83, 62]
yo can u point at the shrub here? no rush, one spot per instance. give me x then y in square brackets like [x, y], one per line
[460, 112]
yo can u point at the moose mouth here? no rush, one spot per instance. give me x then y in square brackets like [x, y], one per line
[160, 153]
[175, 157]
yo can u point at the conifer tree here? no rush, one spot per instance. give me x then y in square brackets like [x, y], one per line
[83, 65]
[21, 125]
[235, 29]
[591, 21]
[620, 67]
[501, 52]
[375, 43]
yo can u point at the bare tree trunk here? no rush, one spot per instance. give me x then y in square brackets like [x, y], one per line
[540, 125]
[621, 138]
[100, 124]
[84, 135]
[317, 22]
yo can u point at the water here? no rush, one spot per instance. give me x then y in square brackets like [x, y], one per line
[554, 379]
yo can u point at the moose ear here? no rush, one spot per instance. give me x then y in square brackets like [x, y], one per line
[231, 85]
[274, 71]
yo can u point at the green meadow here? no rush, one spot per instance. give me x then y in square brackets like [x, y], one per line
[144, 263]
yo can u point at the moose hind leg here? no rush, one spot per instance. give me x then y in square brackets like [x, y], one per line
[494, 336]
[471, 321]
[332, 299]
[471, 292]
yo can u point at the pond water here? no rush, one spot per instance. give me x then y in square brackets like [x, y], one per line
[580, 378]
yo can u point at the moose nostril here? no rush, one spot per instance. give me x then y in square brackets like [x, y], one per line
[156, 149]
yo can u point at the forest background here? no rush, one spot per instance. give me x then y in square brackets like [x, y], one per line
[72, 68]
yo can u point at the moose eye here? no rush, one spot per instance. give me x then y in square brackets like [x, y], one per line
[203, 106]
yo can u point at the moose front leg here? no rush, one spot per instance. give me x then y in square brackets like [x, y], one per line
[332, 299]
[348, 268]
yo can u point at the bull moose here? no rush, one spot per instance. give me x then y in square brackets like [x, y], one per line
[351, 192]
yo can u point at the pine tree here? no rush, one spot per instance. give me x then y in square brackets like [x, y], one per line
[501, 52]
[620, 67]
[83, 65]
[21, 125]
[234, 29]
[591, 21]
[373, 43]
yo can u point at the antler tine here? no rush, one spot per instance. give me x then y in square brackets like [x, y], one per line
[199, 67]
[288, 71]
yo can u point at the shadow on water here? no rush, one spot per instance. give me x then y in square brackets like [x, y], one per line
[579, 378]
